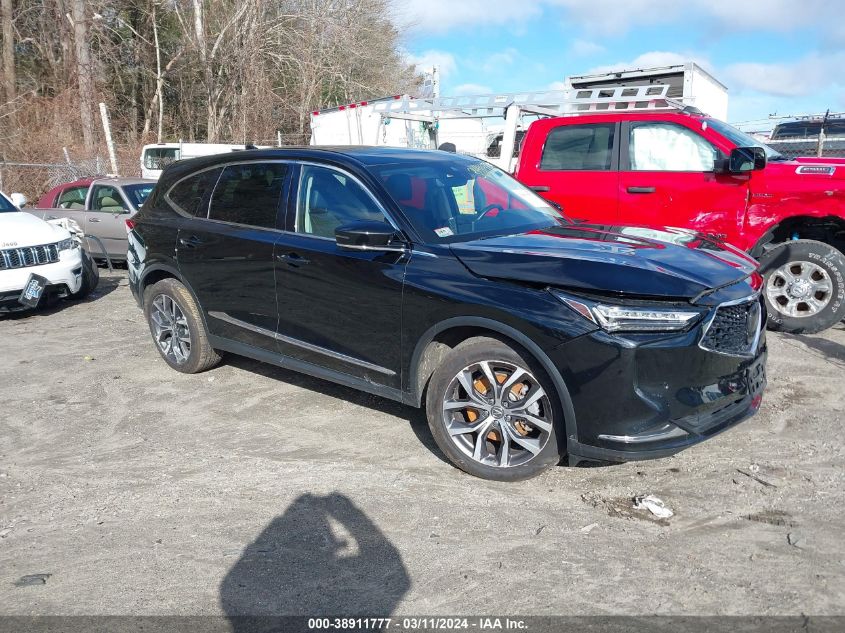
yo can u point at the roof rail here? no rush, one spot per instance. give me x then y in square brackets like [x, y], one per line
[544, 102]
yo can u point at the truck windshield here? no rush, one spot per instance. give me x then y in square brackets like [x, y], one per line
[6, 205]
[457, 198]
[741, 139]
[137, 194]
[159, 157]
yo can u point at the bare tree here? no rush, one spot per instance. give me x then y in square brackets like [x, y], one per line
[84, 73]
[9, 81]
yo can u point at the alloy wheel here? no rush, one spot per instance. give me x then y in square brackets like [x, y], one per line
[497, 413]
[799, 289]
[170, 329]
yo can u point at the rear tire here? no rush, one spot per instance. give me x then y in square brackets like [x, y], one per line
[490, 438]
[804, 286]
[177, 327]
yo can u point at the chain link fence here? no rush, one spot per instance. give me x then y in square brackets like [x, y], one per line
[821, 145]
[35, 179]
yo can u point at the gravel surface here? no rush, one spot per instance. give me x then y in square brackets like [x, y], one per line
[128, 488]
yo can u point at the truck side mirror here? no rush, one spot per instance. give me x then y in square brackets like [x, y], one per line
[745, 159]
[19, 200]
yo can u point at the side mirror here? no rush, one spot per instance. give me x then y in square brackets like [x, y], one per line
[369, 236]
[745, 159]
[19, 200]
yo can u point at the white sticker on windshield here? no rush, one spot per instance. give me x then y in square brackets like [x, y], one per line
[443, 231]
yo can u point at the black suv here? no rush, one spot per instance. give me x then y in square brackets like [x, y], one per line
[438, 280]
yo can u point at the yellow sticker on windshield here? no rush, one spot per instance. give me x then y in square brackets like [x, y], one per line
[465, 198]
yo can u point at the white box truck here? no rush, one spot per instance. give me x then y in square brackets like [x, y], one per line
[688, 83]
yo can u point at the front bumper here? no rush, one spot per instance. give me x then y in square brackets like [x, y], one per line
[64, 277]
[649, 396]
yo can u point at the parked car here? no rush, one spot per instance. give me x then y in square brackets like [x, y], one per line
[681, 168]
[39, 261]
[102, 212]
[68, 195]
[436, 279]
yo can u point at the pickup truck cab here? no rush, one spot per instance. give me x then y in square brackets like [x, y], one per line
[101, 207]
[683, 169]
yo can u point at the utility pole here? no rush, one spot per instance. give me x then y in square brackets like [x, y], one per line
[104, 114]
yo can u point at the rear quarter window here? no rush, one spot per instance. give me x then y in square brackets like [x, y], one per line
[187, 195]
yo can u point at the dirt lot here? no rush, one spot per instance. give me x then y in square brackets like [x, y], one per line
[251, 489]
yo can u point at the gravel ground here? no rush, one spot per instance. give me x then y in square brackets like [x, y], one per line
[127, 488]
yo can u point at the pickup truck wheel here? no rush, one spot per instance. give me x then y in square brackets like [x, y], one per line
[177, 327]
[90, 278]
[804, 286]
[493, 411]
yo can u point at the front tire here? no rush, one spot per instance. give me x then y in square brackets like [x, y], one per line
[493, 411]
[177, 327]
[90, 278]
[804, 286]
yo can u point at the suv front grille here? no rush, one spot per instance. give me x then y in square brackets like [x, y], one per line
[28, 256]
[735, 329]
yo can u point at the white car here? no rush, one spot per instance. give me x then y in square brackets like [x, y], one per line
[40, 261]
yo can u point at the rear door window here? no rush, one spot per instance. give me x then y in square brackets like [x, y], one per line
[249, 194]
[579, 148]
[73, 198]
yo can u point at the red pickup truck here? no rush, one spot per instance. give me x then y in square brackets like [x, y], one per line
[681, 168]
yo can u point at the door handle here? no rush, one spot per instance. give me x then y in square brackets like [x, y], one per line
[539, 188]
[190, 242]
[93, 219]
[293, 259]
[640, 189]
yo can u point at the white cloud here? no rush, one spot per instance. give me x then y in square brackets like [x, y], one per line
[615, 17]
[803, 77]
[585, 48]
[440, 16]
[471, 89]
[651, 59]
[444, 60]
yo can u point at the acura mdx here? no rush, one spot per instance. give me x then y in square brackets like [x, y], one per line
[437, 280]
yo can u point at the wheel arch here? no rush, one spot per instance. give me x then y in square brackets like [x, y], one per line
[442, 337]
[158, 272]
[828, 229]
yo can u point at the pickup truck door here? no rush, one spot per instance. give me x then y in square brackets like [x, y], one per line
[106, 218]
[667, 177]
[578, 169]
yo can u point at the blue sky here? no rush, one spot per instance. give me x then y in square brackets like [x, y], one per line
[775, 56]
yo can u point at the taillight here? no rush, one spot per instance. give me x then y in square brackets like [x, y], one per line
[130, 224]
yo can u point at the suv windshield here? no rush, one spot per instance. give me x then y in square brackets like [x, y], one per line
[138, 194]
[457, 199]
[6, 205]
[741, 139]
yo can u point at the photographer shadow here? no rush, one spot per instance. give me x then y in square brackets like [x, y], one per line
[322, 558]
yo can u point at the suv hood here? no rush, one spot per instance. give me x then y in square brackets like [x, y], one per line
[18, 229]
[629, 260]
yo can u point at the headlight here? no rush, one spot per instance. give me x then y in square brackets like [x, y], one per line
[630, 318]
[68, 244]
